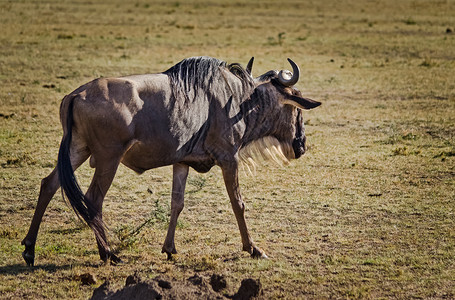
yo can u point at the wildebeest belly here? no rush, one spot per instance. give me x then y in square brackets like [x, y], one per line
[141, 157]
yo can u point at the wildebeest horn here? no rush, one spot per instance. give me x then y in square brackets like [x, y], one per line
[295, 75]
[250, 65]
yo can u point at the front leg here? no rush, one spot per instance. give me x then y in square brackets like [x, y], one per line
[180, 174]
[230, 175]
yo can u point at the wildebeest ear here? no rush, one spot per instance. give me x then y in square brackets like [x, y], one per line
[249, 66]
[300, 102]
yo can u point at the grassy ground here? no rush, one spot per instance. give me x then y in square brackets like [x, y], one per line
[368, 212]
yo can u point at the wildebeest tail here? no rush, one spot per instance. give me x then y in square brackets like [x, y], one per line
[82, 206]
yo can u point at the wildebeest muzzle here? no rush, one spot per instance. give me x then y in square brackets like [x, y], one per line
[298, 144]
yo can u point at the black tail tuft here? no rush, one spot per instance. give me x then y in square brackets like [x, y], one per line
[82, 206]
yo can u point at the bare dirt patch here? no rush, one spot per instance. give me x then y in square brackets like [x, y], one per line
[195, 287]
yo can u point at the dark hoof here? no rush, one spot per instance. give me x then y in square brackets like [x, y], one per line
[115, 260]
[169, 253]
[29, 258]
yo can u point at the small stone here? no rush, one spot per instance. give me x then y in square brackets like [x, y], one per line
[164, 284]
[196, 279]
[218, 282]
[248, 289]
[87, 279]
[132, 279]
[102, 291]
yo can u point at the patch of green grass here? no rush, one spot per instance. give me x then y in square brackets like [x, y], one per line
[444, 154]
[405, 151]
[409, 21]
[198, 182]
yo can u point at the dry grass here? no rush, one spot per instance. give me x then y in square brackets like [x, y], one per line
[366, 213]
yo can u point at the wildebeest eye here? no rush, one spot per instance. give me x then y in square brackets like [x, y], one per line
[294, 92]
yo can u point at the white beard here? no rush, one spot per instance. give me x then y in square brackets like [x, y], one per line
[264, 149]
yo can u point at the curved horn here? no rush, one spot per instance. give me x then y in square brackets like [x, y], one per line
[249, 66]
[295, 77]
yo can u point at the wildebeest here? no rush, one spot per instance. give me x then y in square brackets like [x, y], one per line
[200, 113]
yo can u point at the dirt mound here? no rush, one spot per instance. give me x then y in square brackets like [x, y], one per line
[248, 289]
[195, 287]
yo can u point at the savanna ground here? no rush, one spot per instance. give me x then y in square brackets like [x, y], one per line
[368, 212]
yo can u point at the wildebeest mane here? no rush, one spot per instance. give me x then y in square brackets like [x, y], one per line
[196, 75]
[270, 75]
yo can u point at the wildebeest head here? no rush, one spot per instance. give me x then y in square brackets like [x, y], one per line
[276, 90]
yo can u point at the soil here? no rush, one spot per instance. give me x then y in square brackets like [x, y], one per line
[195, 287]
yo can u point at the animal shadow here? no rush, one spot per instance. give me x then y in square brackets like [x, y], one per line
[16, 269]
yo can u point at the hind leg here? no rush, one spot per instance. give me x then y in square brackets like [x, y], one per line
[49, 186]
[102, 179]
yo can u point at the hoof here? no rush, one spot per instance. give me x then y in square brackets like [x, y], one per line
[169, 253]
[29, 253]
[115, 260]
[259, 254]
[29, 258]
[169, 256]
